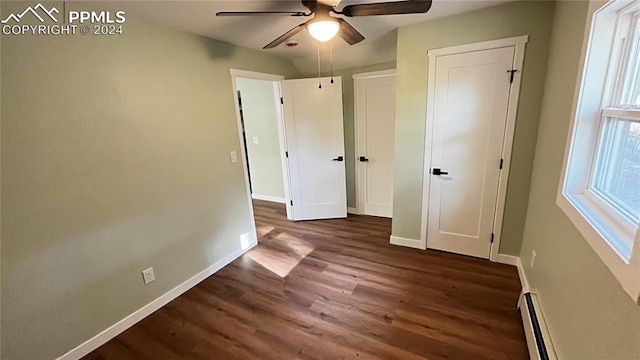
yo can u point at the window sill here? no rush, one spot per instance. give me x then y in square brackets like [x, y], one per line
[612, 242]
[617, 236]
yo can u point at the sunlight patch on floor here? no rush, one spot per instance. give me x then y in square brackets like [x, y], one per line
[283, 254]
[264, 230]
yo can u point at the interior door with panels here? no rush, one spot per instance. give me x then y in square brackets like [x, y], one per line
[375, 127]
[315, 144]
[469, 119]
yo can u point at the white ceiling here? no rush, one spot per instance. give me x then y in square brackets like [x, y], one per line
[198, 17]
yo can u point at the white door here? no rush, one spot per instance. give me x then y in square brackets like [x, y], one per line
[315, 143]
[470, 111]
[375, 119]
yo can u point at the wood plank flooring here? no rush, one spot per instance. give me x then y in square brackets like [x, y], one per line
[335, 289]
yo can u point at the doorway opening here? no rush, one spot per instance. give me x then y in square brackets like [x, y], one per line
[244, 138]
[261, 134]
[292, 143]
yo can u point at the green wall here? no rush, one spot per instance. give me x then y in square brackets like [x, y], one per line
[589, 315]
[261, 121]
[115, 157]
[533, 18]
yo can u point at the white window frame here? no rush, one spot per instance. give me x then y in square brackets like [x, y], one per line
[614, 237]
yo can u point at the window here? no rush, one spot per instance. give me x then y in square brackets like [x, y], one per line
[600, 187]
[617, 173]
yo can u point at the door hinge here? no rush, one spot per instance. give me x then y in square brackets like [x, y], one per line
[281, 101]
[512, 72]
[291, 202]
[501, 163]
[492, 236]
[286, 154]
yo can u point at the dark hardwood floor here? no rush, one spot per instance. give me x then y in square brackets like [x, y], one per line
[335, 289]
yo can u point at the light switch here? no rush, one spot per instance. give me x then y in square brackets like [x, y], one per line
[234, 157]
[256, 140]
[148, 275]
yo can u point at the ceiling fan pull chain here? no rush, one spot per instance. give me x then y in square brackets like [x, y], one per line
[331, 58]
[319, 71]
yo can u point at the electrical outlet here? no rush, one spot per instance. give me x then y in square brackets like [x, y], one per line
[533, 258]
[234, 156]
[148, 275]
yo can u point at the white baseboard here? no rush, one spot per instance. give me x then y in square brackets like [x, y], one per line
[276, 199]
[530, 334]
[524, 312]
[523, 276]
[351, 210]
[412, 243]
[508, 259]
[515, 261]
[122, 325]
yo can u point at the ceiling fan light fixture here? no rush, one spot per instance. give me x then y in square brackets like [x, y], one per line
[323, 30]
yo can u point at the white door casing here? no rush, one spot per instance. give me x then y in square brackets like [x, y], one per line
[315, 137]
[470, 125]
[236, 73]
[374, 150]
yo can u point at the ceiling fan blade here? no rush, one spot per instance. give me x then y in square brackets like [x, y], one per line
[388, 8]
[349, 33]
[285, 36]
[261, 13]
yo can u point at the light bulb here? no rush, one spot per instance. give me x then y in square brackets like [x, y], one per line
[323, 30]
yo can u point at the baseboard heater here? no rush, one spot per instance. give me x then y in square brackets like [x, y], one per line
[535, 328]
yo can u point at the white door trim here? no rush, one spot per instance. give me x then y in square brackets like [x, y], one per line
[519, 44]
[518, 41]
[282, 139]
[356, 121]
[372, 74]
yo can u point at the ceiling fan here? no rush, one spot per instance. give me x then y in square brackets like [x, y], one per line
[324, 25]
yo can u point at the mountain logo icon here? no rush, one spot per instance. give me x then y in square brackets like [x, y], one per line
[39, 11]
